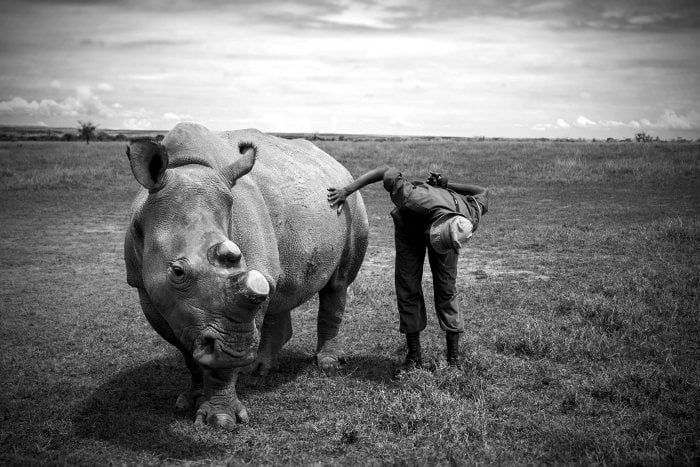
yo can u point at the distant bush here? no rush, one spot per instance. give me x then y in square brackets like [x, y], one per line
[102, 136]
[642, 137]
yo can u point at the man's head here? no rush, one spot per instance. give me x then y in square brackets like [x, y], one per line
[450, 232]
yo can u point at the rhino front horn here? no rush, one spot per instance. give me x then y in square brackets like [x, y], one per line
[250, 289]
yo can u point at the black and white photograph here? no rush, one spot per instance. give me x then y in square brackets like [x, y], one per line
[338, 232]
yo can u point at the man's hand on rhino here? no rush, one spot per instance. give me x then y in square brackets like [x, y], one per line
[336, 197]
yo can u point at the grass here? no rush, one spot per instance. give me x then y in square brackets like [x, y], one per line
[580, 291]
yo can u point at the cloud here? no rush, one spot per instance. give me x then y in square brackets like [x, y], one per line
[670, 120]
[559, 125]
[43, 107]
[359, 16]
[583, 122]
[84, 103]
[401, 122]
[136, 124]
[172, 116]
[148, 76]
[612, 124]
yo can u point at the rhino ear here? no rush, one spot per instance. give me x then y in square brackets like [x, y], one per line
[242, 166]
[148, 160]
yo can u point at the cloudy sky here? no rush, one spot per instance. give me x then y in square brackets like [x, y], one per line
[513, 68]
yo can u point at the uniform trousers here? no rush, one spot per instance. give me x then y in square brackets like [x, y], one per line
[411, 243]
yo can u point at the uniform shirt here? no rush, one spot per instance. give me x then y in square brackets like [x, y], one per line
[418, 204]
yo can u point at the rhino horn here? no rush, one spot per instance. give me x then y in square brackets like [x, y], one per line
[249, 289]
[225, 253]
[242, 166]
[148, 160]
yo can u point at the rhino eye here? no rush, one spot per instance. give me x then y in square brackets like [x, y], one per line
[177, 271]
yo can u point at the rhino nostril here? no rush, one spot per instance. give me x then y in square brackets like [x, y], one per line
[208, 344]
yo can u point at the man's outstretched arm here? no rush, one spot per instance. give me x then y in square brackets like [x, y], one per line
[464, 189]
[337, 196]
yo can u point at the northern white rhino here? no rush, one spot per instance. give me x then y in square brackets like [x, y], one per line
[232, 225]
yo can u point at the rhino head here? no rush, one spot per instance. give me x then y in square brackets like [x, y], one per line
[193, 273]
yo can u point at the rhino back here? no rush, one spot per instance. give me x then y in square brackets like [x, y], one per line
[312, 239]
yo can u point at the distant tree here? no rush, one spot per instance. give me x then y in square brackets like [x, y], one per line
[86, 130]
[642, 137]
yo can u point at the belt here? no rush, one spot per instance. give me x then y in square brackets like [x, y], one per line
[454, 199]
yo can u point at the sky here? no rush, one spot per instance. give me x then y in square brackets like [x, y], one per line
[510, 68]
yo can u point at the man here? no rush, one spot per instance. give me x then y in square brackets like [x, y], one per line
[436, 215]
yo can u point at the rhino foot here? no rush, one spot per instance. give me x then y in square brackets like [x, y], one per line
[329, 362]
[188, 399]
[221, 416]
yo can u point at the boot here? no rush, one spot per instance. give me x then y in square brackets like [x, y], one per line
[452, 348]
[413, 357]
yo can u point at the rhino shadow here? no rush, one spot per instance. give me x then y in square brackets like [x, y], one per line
[135, 408]
[376, 368]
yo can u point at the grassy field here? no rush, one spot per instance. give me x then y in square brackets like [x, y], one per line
[581, 293]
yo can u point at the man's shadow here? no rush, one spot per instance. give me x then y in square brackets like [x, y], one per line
[135, 409]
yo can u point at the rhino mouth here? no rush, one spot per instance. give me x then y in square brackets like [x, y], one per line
[237, 347]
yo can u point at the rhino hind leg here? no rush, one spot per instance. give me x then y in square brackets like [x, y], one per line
[276, 330]
[333, 296]
[329, 354]
[190, 398]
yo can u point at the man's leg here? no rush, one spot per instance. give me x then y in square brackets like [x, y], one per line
[444, 269]
[408, 275]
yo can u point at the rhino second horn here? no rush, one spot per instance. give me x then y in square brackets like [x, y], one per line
[229, 251]
[225, 253]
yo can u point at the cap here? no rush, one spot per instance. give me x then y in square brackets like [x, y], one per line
[450, 232]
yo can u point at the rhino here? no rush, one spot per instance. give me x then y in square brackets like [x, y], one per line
[229, 234]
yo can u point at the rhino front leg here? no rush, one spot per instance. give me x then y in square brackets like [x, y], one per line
[332, 298]
[220, 406]
[187, 399]
[275, 331]
[190, 398]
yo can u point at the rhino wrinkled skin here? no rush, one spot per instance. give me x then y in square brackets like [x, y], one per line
[231, 227]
